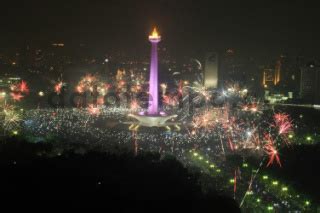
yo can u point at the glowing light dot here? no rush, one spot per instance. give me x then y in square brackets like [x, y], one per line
[41, 93]
[270, 208]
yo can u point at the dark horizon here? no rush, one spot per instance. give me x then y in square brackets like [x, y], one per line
[188, 26]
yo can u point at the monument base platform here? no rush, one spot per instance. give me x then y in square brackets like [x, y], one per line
[152, 120]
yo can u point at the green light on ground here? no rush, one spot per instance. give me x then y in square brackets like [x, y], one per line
[207, 161]
[212, 166]
[200, 158]
[265, 177]
[245, 165]
[309, 138]
[275, 183]
[218, 170]
[290, 136]
[307, 203]
[195, 154]
[270, 208]
[284, 189]
[231, 181]
[258, 200]
[15, 132]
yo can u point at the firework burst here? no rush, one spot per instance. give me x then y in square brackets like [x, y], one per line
[93, 110]
[11, 119]
[23, 87]
[271, 151]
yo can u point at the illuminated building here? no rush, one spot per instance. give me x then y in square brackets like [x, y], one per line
[57, 45]
[272, 76]
[211, 71]
[268, 77]
[277, 73]
[290, 73]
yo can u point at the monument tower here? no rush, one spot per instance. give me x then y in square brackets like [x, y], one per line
[153, 108]
[153, 117]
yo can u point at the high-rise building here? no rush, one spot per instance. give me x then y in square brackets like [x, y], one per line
[268, 78]
[211, 71]
[287, 73]
[234, 67]
[277, 72]
[310, 84]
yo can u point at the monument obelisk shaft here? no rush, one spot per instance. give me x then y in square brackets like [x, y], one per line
[153, 108]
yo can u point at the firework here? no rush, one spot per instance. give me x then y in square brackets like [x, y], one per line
[283, 123]
[16, 96]
[271, 151]
[169, 100]
[18, 90]
[134, 105]
[58, 87]
[93, 110]
[23, 87]
[92, 83]
[11, 119]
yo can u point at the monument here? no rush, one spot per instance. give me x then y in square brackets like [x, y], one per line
[153, 117]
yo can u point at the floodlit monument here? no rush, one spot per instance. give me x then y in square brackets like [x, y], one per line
[153, 117]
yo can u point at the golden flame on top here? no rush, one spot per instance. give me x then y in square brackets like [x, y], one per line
[154, 34]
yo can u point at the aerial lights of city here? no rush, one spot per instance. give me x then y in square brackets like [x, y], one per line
[237, 140]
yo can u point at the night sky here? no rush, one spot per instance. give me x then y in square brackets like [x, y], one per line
[251, 27]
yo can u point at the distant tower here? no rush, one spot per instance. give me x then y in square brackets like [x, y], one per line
[277, 72]
[211, 71]
[154, 38]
